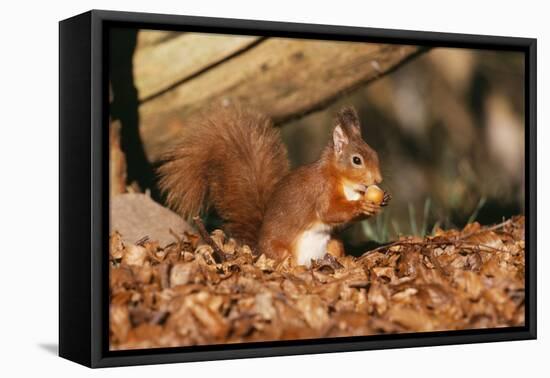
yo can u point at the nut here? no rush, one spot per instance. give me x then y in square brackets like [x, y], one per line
[374, 194]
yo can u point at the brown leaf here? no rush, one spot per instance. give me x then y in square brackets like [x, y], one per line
[184, 273]
[179, 295]
[313, 310]
[119, 322]
[134, 255]
[410, 318]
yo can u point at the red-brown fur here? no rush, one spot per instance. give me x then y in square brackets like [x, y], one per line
[236, 162]
[311, 193]
[232, 160]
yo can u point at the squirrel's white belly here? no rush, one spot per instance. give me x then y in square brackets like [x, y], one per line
[312, 244]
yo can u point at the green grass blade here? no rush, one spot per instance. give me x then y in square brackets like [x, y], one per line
[427, 205]
[474, 215]
[412, 220]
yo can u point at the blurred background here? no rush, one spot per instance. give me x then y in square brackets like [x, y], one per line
[449, 129]
[448, 123]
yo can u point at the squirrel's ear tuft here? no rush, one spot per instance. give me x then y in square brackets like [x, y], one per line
[340, 139]
[347, 117]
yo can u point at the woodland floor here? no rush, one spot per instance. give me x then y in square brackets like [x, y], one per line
[186, 294]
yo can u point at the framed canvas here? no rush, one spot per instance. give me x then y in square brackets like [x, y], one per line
[235, 188]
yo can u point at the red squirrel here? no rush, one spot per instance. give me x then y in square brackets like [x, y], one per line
[236, 162]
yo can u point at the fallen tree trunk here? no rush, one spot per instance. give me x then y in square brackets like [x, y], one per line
[283, 78]
[163, 63]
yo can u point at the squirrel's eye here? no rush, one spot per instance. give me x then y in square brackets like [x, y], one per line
[357, 160]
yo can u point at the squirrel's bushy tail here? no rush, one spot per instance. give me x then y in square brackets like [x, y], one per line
[231, 160]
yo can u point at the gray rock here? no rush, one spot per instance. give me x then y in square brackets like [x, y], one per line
[136, 215]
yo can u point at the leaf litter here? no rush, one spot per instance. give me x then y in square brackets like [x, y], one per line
[184, 294]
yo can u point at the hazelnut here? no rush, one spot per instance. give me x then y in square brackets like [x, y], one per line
[374, 194]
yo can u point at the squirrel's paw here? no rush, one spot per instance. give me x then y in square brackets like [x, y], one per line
[370, 209]
[386, 200]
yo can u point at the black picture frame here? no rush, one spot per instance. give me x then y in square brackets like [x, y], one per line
[84, 194]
